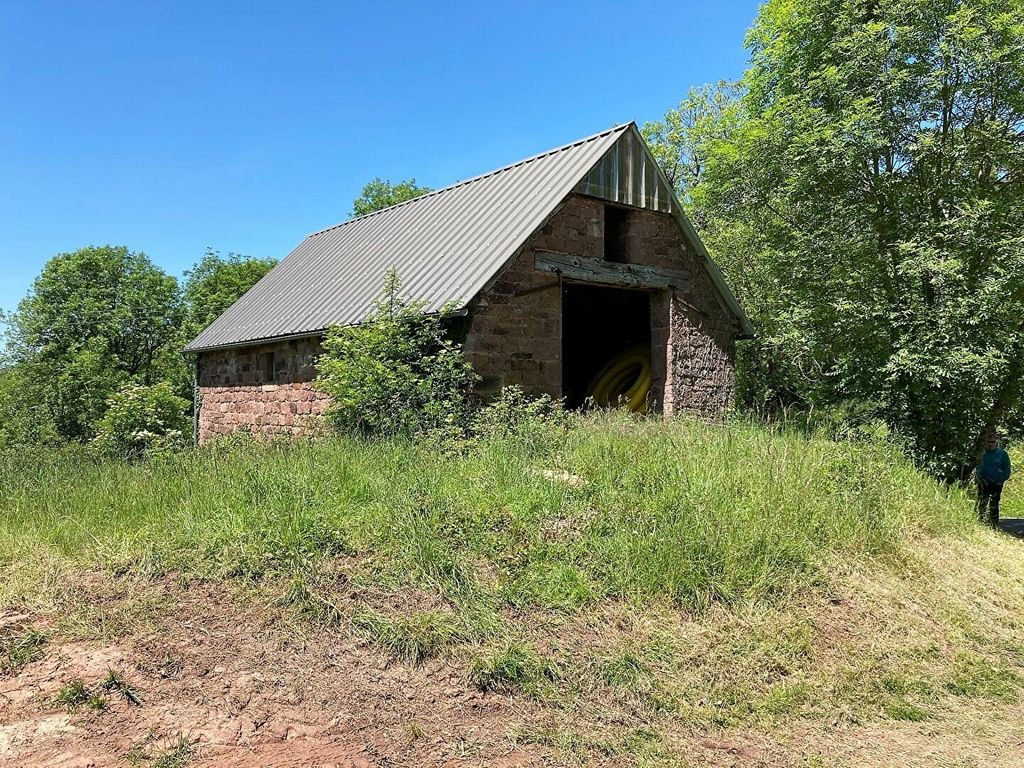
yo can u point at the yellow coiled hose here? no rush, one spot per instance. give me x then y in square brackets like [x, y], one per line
[627, 378]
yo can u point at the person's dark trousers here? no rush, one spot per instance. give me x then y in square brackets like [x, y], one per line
[988, 501]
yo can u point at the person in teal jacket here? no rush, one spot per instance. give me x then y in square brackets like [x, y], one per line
[993, 470]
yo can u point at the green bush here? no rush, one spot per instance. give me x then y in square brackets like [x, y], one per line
[142, 421]
[397, 373]
[24, 418]
[513, 413]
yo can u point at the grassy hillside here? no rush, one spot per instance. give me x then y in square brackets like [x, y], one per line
[641, 580]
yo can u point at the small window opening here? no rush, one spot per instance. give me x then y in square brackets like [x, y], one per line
[268, 367]
[615, 220]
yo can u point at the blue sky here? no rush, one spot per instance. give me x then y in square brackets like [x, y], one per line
[172, 126]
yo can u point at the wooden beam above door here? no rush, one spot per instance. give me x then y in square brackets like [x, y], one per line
[603, 272]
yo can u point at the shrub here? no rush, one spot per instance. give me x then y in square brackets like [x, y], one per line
[24, 418]
[141, 421]
[514, 413]
[397, 373]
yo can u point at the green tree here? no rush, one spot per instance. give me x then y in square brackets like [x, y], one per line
[379, 194]
[864, 194]
[94, 320]
[24, 417]
[683, 141]
[214, 284]
[775, 369]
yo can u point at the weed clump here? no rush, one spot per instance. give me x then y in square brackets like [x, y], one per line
[412, 637]
[514, 668]
[73, 695]
[625, 670]
[18, 649]
[151, 753]
[115, 683]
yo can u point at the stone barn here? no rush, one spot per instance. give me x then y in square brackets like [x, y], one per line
[557, 263]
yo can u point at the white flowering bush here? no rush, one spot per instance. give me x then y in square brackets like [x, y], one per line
[142, 421]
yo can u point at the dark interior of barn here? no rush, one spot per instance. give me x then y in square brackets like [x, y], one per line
[598, 324]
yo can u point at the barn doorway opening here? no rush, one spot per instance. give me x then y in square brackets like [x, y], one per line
[599, 325]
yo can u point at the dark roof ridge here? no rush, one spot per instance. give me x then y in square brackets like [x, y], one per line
[479, 177]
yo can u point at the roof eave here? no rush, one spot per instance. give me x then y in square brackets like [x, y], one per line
[191, 350]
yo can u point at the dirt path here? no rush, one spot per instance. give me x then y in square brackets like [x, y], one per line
[224, 682]
[237, 693]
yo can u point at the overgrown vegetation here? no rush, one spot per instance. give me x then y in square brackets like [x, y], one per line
[95, 320]
[691, 512]
[93, 353]
[397, 373]
[678, 574]
[860, 188]
[860, 185]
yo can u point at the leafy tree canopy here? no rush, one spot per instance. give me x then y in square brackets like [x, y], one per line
[862, 188]
[100, 321]
[93, 320]
[379, 194]
[214, 284]
[98, 295]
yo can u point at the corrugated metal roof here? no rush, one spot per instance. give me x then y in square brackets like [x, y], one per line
[445, 246]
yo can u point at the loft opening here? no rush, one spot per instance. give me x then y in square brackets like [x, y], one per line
[599, 326]
[616, 226]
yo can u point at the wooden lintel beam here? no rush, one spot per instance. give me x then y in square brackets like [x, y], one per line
[611, 273]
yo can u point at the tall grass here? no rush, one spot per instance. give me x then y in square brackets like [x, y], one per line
[548, 517]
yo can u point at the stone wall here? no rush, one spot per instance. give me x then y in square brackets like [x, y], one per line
[701, 361]
[515, 332]
[698, 331]
[266, 389]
